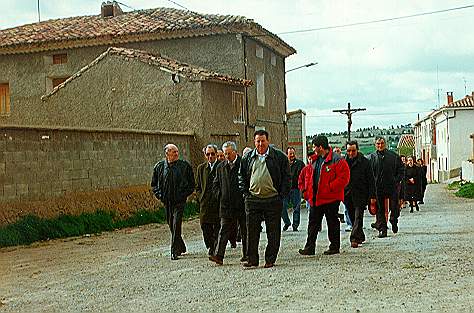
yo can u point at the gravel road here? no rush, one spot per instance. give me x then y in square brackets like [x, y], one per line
[426, 267]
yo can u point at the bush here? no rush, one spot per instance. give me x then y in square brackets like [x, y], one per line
[466, 191]
[31, 228]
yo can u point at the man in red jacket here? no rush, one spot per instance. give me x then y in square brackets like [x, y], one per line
[330, 175]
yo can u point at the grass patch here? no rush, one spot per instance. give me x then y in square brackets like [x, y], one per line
[31, 228]
[466, 190]
[454, 185]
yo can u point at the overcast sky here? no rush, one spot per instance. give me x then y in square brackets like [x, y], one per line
[393, 69]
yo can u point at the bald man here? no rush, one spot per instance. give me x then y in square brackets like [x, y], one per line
[172, 183]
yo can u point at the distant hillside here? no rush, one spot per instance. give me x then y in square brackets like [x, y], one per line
[366, 137]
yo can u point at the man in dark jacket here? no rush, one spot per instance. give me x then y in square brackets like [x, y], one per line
[264, 179]
[294, 196]
[329, 177]
[357, 193]
[387, 171]
[208, 204]
[172, 183]
[231, 202]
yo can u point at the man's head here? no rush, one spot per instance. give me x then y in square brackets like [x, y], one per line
[320, 145]
[380, 143]
[309, 156]
[220, 155]
[291, 153]
[403, 159]
[261, 141]
[410, 160]
[352, 149]
[210, 152]
[230, 150]
[171, 152]
[420, 162]
[337, 150]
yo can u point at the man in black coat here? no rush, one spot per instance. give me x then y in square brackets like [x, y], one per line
[172, 183]
[231, 202]
[264, 179]
[294, 196]
[387, 171]
[357, 193]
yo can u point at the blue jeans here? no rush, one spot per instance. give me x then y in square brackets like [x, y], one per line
[346, 216]
[295, 197]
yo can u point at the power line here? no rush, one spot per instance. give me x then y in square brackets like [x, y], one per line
[125, 5]
[181, 6]
[373, 21]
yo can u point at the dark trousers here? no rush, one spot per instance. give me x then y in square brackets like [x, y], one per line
[316, 214]
[268, 210]
[174, 218]
[210, 231]
[356, 214]
[228, 226]
[394, 208]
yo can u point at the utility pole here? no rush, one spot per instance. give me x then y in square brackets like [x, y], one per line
[349, 113]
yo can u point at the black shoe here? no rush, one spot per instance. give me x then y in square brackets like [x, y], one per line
[295, 228]
[417, 207]
[216, 259]
[382, 234]
[395, 229]
[174, 256]
[330, 252]
[411, 210]
[243, 259]
[248, 264]
[373, 225]
[285, 228]
[305, 252]
[421, 202]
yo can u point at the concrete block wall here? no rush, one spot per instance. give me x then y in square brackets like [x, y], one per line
[39, 164]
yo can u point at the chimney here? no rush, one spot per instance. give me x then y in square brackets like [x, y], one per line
[110, 9]
[450, 97]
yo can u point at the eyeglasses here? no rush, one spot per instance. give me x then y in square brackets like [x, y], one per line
[210, 154]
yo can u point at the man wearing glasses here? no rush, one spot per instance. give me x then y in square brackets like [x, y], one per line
[208, 202]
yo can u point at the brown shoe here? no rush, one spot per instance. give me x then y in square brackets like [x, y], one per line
[269, 265]
[216, 259]
[305, 252]
[331, 252]
[354, 244]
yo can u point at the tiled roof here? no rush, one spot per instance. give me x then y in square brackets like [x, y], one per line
[164, 63]
[468, 101]
[406, 141]
[139, 25]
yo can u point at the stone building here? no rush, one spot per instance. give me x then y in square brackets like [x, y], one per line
[296, 121]
[77, 115]
[35, 58]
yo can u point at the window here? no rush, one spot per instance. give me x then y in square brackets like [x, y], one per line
[4, 99]
[238, 106]
[259, 51]
[259, 128]
[58, 80]
[60, 58]
[261, 89]
[273, 59]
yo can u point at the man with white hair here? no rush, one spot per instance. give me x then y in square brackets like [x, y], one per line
[172, 183]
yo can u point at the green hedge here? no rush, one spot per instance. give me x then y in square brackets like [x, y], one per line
[466, 190]
[31, 228]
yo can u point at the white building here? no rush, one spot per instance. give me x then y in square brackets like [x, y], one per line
[442, 138]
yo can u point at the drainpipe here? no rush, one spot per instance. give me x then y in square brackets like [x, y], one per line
[247, 120]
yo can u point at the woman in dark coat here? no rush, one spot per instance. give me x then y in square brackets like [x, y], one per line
[412, 183]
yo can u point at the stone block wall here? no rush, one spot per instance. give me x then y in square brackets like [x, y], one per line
[296, 121]
[42, 163]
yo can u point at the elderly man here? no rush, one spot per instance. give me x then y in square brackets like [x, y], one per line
[294, 196]
[172, 183]
[208, 204]
[387, 171]
[329, 176]
[231, 202]
[264, 179]
[357, 193]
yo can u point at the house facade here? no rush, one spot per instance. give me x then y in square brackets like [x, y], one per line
[443, 138]
[37, 57]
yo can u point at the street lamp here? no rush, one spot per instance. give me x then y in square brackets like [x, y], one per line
[306, 65]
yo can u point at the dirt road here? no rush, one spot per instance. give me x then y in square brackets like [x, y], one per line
[426, 267]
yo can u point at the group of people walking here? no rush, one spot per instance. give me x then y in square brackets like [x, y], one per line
[237, 193]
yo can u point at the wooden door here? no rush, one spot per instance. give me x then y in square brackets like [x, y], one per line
[4, 99]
